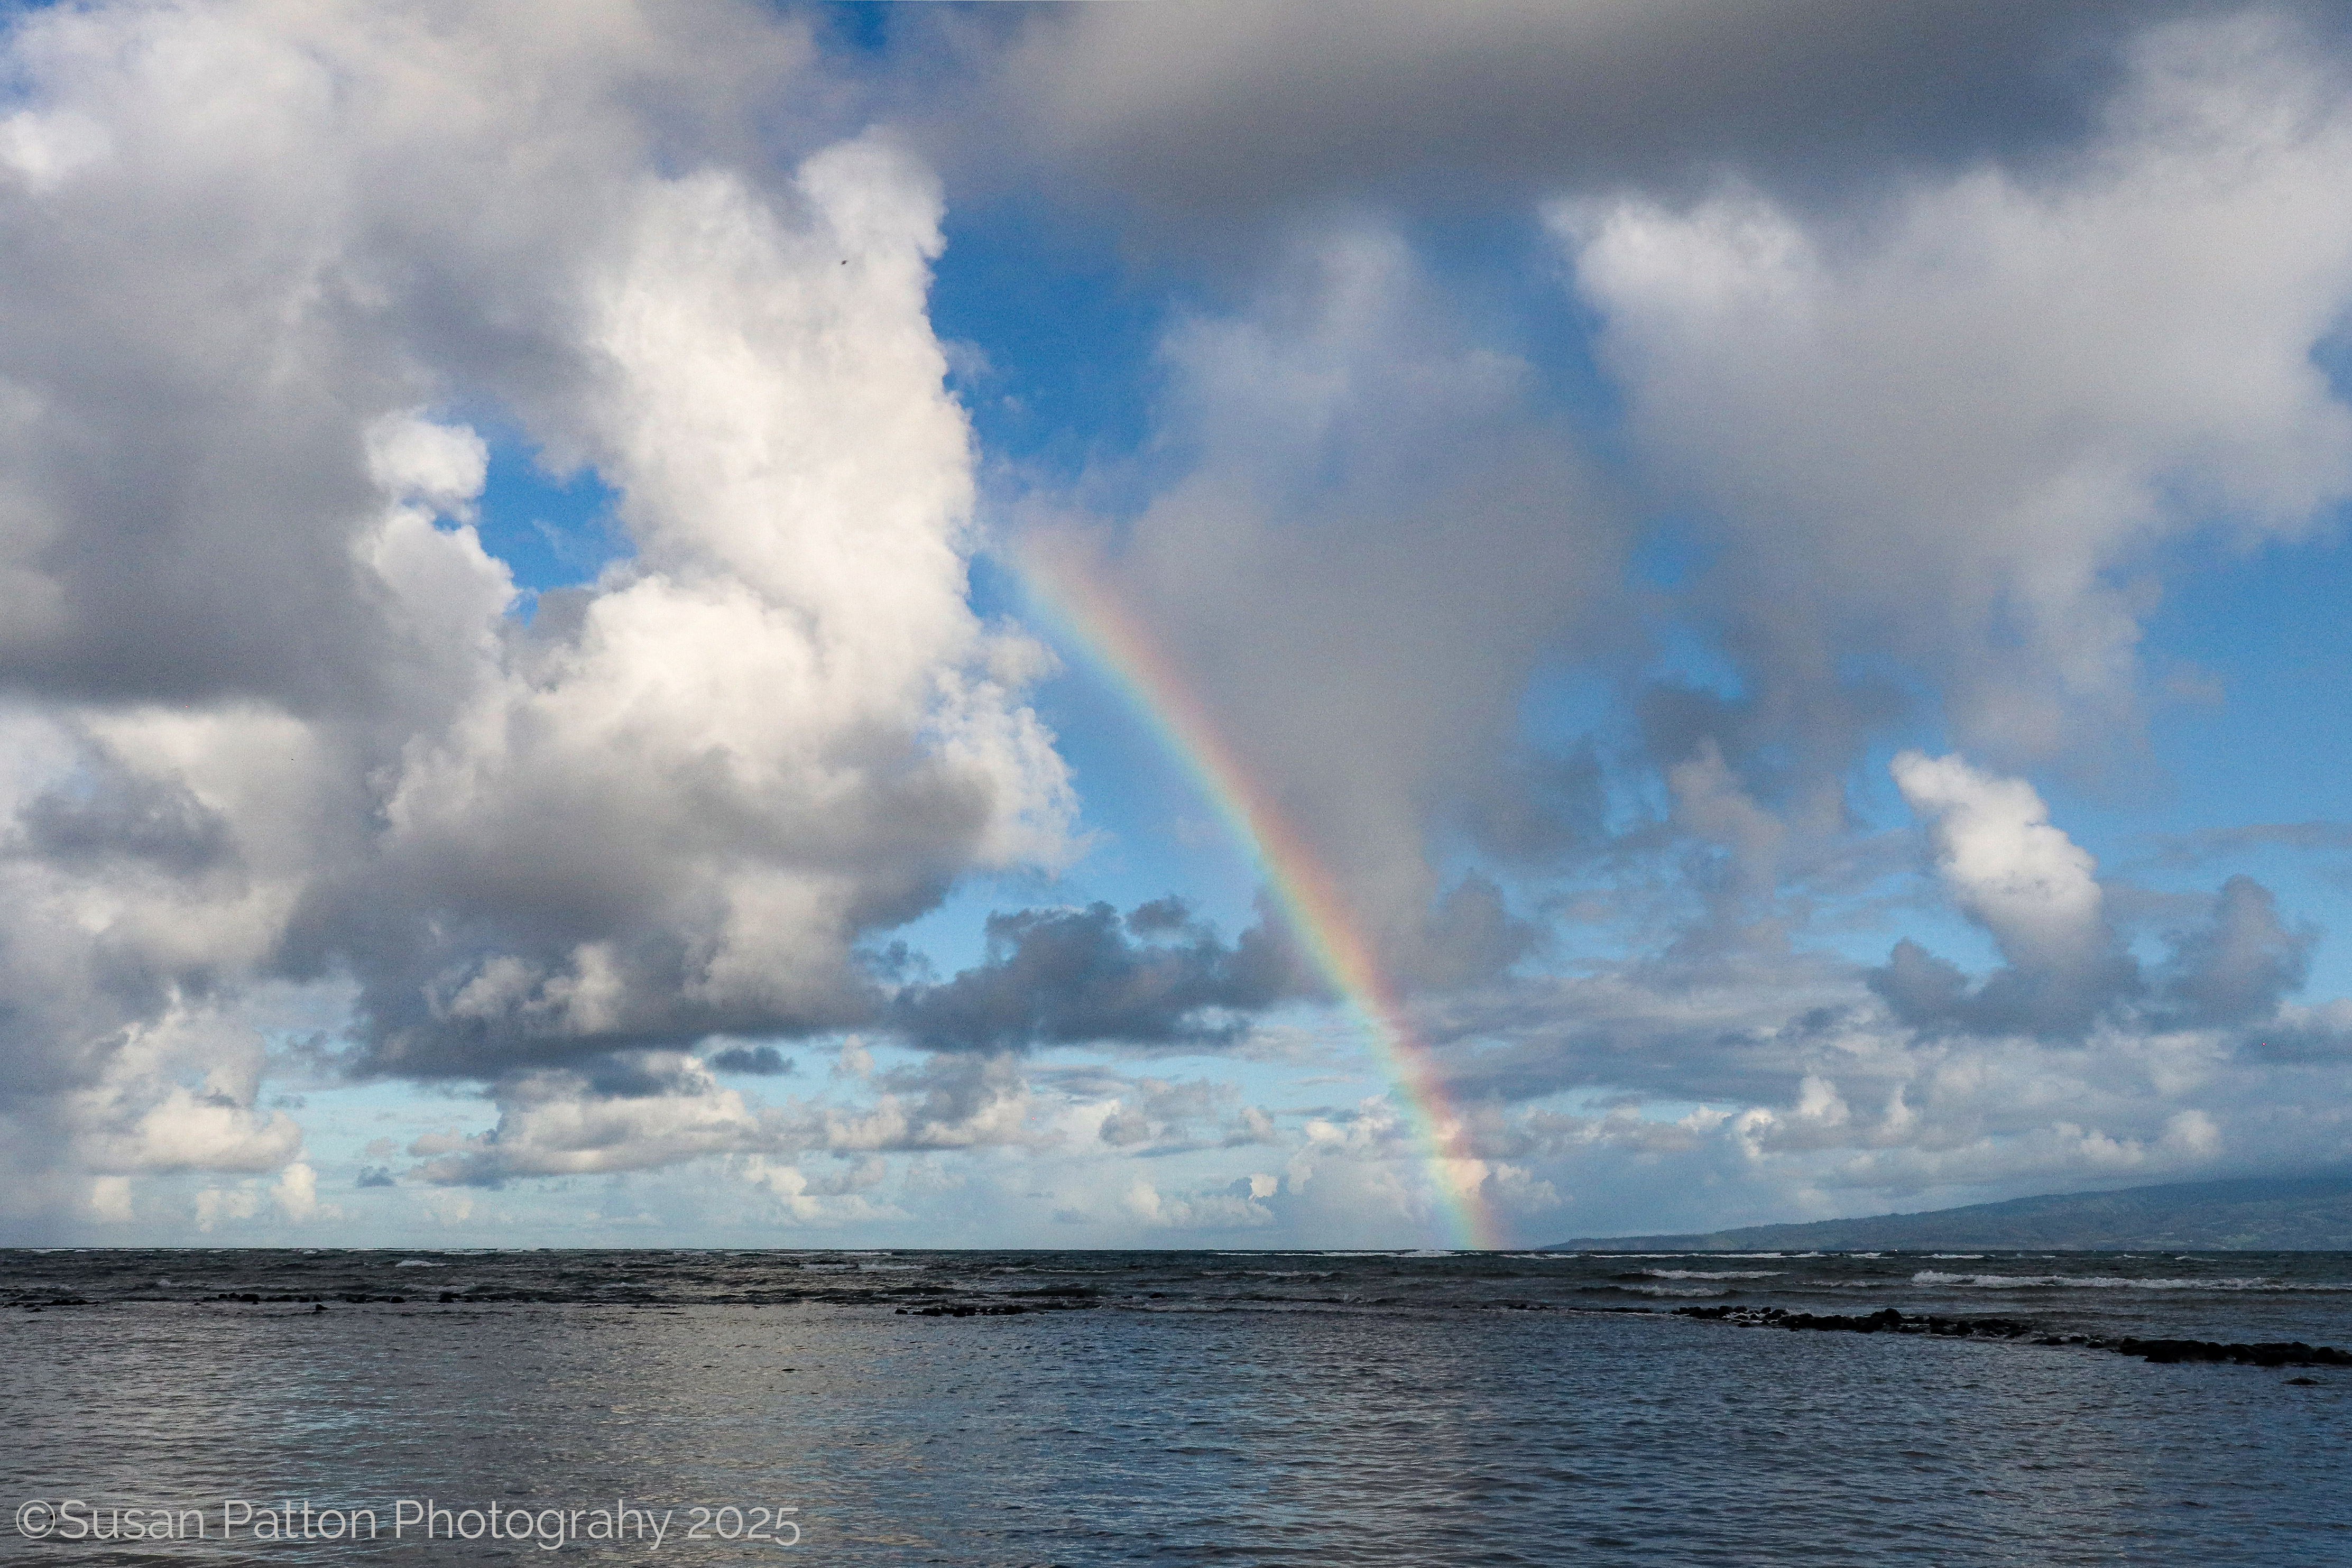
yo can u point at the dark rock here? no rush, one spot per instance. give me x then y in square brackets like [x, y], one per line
[1890, 1321]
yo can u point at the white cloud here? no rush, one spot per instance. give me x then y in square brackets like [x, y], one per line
[110, 1201]
[555, 1123]
[1949, 428]
[276, 717]
[297, 1194]
[281, 277]
[838, 1200]
[2034, 888]
[1238, 1207]
[412, 458]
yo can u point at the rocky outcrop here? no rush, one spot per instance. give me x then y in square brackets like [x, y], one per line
[1891, 1322]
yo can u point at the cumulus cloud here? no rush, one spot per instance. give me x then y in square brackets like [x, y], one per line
[630, 1112]
[782, 714]
[1239, 1207]
[279, 275]
[643, 1110]
[1938, 431]
[2011, 871]
[2029, 885]
[1801, 1093]
[280, 735]
[1921, 455]
[838, 1199]
[2239, 967]
[1155, 977]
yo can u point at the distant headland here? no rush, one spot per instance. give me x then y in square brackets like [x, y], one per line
[2309, 1214]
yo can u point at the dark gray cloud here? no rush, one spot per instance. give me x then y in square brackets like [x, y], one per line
[763, 1061]
[2237, 968]
[1537, 808]
[2056, 1002]
[1083, 976]
[1470, 935]
[2310, 1037]
[117, 816]
[1233, 108]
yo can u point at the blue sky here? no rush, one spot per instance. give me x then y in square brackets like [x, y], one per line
[1797, 607]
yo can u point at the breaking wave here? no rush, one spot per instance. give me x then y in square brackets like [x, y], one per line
[2109, 1282]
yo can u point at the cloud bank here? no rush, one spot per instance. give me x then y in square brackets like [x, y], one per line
[272, 713]
[1676, 504]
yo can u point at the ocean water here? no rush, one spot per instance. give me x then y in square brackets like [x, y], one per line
[1230, 1408]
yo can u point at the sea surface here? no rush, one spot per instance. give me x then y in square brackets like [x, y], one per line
[1160, 1407]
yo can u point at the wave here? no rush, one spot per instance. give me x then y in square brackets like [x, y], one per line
[2111, 1282]
[1714, 1274]
[417, 1263]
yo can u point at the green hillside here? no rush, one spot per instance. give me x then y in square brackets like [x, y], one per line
[2263, 1215]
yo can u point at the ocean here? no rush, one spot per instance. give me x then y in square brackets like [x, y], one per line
[1160, 1407]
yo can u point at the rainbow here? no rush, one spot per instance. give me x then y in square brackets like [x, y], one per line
[1089, 616]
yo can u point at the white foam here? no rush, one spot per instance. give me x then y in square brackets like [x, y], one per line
[2107, 1282]
[1714, 1274]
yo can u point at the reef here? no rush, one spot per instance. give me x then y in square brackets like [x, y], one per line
[1891, 1322]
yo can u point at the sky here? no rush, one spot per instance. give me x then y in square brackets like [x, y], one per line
[1227, 624]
